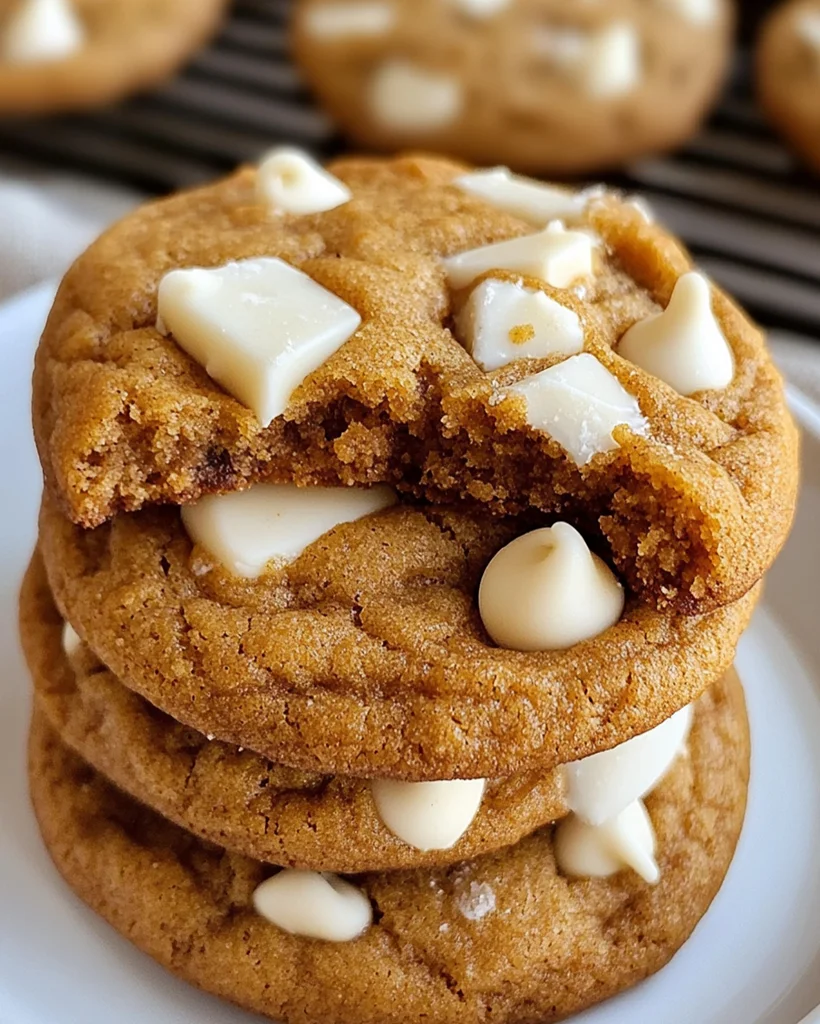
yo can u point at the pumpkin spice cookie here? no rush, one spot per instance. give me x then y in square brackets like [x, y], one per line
[446, 943]
[788, 74]
[245, 802]
[540, 85]
[399, 644]
[58, 55]
[386, 339]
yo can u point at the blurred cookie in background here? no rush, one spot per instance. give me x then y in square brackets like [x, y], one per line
[539, 85]
[788, 74]
[58, 55]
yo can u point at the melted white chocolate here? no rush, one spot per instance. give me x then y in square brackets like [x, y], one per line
[41, 30]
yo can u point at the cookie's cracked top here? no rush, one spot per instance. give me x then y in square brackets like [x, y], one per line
[692, 495]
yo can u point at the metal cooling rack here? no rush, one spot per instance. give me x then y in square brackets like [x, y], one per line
[737, 197]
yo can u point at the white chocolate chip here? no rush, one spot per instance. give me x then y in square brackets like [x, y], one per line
[481, 8]
[244, 530]
[503, 321]
[341, 21]
[428, 815]
[601, 786]
[598, 851]
[290, 181]
[530, 200]
[579, 403]
[546, 591]
[258, 326]
[71, 640]
[554, 255]
[605, 63]
[41, 30]
[407, 98]
[808, 28]
[683, 346]
[314, 905]
[699, 12]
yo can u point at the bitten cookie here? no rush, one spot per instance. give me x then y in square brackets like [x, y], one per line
[540, 85]
[366, 328]
[243, 801]
[506, 931]
[788, 74]
[60, 55]
[368, 654]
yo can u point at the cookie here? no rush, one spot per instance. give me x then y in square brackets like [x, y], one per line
[788, 74]
[506, 931]
[538, 85]
[366, 654]
[234, 797]
[58, 55]
[675, 487]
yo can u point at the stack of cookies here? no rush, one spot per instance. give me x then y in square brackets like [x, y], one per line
[400, 524]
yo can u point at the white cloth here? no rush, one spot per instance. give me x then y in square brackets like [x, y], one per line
[45, 222]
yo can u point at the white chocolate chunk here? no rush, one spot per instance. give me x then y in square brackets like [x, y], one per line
[481, 8]
[290, 181]
[546, 591]
[71, 640]
[503, 321]
[530, 200]
[244, 530]
[258, 326]
[554, 255]
[598, 851]
[808, 28]
[428, 815]
[341, 21]
[699, 12]
[41, 30]
[599, 787]
[579, 403]
[314, 905]
[683, 346]
[407, 98]
[606, 63]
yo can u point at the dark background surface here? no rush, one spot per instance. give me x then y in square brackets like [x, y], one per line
[748, 210]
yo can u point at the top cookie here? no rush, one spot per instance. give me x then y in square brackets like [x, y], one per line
[541, 85]
[60, 55]
[693, 493]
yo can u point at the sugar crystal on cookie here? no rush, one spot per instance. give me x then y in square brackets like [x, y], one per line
[579, 403]
[259, 327]
[245, 530]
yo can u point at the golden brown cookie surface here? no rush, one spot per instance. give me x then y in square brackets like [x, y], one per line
[366, 655]
[123, 417]
[540, 85]
[788, 74]
[127, 46]
[237, 798]
[506, 930]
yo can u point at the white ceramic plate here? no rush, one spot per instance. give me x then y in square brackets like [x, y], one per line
[755, 958]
